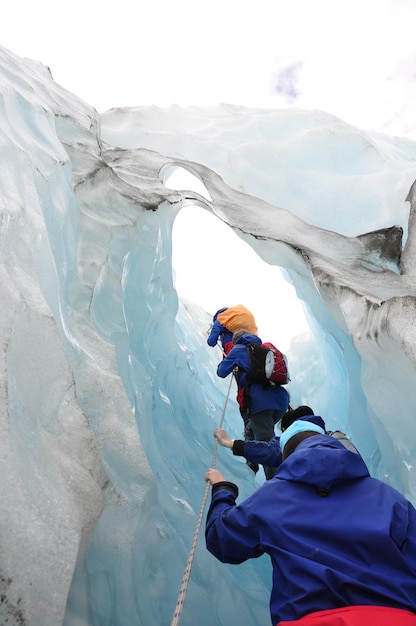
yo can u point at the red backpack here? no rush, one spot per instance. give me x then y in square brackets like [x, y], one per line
[268, 365]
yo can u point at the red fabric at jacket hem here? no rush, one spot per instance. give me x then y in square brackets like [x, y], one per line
[356, 616]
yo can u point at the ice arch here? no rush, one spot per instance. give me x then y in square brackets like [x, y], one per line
[108, 390]
[212, 266]
[181, 179]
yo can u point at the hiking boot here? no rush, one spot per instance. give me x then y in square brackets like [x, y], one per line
[253, 466]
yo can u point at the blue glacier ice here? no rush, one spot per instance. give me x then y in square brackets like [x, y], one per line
[109, 394]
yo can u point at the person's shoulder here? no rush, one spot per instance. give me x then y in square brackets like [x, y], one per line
[236, 349]
[344, 439]
[248, 338]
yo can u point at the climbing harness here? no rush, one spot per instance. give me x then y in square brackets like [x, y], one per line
[186, 575]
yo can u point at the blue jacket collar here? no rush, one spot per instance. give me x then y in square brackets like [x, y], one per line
[248, 338]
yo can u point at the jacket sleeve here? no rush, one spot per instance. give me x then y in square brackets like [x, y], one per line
[230, 534]
[226, 366]
[238, 356]
[216, 331]
[263, 452]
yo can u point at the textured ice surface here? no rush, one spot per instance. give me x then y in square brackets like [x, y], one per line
[108, 390]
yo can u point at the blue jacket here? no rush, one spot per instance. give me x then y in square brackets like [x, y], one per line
[268, 452]
[218, 331]
[356, 546]
[261, 398]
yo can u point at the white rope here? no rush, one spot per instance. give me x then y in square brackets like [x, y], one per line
[187, 573]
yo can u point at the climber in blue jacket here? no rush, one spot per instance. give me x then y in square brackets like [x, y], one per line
[220, 332]
[261, 406]
[342, 544]
[268, 452]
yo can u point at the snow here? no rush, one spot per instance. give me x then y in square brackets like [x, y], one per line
[108, 392]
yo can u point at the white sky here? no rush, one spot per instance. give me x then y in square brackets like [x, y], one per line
[355, 59]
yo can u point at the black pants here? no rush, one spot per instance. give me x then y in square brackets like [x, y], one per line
[260, 426]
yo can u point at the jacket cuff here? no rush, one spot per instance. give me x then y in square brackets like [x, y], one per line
[224, 484]
[238, 447]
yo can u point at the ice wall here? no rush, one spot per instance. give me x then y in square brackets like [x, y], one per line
[108, 390]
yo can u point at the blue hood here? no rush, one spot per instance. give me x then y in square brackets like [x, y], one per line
[248, 338]
[322, 461]
[218, 312]
[315, 419]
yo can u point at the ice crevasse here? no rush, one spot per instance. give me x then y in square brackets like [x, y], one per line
[109, 395]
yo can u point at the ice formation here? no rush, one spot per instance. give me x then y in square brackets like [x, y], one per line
[108, 390]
